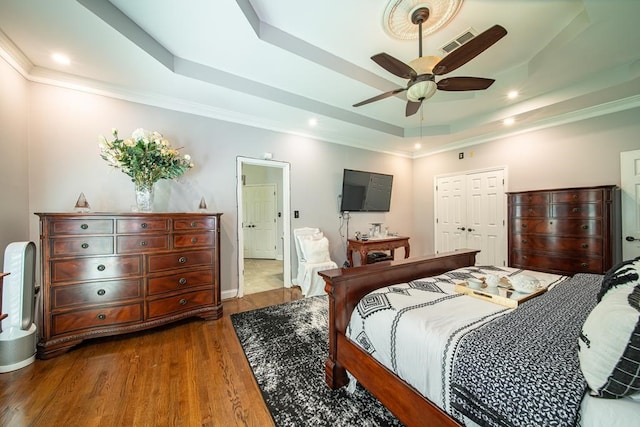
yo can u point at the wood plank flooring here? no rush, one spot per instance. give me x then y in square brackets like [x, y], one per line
[193, 373]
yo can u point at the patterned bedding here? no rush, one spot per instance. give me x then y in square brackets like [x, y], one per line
[464, 353]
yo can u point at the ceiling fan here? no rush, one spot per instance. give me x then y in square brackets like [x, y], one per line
[421, 72]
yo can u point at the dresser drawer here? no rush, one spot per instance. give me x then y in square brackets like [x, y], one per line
[567, 227]
[568, 245]
[178, 303]
[576, 210]
[577, 196]
[179, 260]
[142, 225]
[194, 240]
[142, 243]
[100, 268]
[79, 246]
[199, 223]
[555, 262]
[530, 198]
[527, 211]
[183, 280]
[80, 226]
[100, 317]
[95, 293]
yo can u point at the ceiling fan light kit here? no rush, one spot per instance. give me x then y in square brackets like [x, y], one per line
[421, 72]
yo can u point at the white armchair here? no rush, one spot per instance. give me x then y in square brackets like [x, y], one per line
[312, 248]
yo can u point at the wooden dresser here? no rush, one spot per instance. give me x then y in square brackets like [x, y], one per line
[106, 274]
[565, 231]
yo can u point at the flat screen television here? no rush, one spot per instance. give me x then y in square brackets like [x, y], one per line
[365, 191]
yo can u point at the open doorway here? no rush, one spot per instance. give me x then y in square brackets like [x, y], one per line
[264, 259]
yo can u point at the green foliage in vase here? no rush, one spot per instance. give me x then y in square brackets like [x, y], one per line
[146, 157]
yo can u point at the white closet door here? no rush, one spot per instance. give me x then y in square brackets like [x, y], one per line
[470, 212]
[450, 214]
[630, 180]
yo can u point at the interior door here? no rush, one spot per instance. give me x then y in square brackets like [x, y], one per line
[630, 186]
[259, 224]
[470, 214]
[485, 216]
[450, 213]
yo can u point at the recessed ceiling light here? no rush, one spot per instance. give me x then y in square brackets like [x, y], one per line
[509, 121]
[513, 94]
[313, 122]
[61, 59]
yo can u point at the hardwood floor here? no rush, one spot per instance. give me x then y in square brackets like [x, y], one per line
[193, 373]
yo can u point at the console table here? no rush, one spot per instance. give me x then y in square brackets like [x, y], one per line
[363, 247]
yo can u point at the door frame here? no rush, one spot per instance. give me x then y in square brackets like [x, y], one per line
[286, 217]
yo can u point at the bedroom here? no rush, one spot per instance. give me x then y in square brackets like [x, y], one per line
[50, 129]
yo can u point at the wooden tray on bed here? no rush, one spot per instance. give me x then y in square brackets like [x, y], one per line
[502, 294]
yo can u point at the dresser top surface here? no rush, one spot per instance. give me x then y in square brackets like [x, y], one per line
[125, 214]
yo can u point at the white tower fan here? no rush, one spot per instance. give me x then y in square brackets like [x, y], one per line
[19, 336]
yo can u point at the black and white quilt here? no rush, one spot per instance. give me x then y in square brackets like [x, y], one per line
[419, 330]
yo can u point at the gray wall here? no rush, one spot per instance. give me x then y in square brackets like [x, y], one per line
[14, 162]
[51, 134]
[579, 154]
[63, 161]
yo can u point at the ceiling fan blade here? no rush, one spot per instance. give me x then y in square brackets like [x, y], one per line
[469, 50]
[412, 108]
[381, 96]
[394, 66]
[464, 83]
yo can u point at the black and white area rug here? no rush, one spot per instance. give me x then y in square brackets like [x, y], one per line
[286, 346]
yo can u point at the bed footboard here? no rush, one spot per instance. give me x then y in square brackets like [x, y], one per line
[346, 286]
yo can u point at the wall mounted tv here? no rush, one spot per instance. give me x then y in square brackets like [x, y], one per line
[365, 191]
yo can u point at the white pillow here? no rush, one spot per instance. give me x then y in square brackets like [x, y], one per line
[315, 250]
[610, 339]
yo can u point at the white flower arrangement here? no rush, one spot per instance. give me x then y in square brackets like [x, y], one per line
[146, 157]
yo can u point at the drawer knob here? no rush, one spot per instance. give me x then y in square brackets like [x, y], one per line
[194, 240]
[84, 226]
[182, 259]
[585, 246]
[575, 197]
[143, 243]
[182, 281]
[183, 301]
[525, 257]
[84, 245]
[525, 241]
[144, 225]
[585, 227]
[102, 316]
[101, 292]
[575, 210]
[101, 267]
[531, 210]
[194, 224]
[584, 265]
[524, 225]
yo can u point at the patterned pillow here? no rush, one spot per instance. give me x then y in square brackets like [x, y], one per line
[609, 343]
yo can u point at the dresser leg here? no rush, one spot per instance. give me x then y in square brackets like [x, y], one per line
[48, 351]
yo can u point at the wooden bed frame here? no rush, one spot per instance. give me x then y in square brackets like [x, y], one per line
[345, 287]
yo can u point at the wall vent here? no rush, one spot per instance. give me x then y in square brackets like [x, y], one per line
[459, 41]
